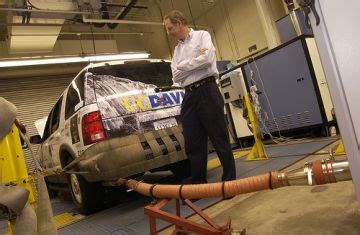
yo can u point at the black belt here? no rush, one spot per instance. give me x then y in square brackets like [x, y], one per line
[198, 84]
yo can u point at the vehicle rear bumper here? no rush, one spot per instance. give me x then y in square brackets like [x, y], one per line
[125, 156]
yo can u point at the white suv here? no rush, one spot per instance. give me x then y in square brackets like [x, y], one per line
[111, 120]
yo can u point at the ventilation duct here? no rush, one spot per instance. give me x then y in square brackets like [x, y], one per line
[31, 39]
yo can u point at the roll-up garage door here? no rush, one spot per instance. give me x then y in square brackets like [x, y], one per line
[34, 98]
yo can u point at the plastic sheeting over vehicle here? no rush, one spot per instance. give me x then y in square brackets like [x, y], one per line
[131, 107]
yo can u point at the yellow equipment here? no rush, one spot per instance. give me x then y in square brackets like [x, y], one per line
[232, 85]
[258, 151]
[12, 166]
[340, 150]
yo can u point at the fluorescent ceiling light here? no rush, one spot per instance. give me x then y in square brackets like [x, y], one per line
[94, 58]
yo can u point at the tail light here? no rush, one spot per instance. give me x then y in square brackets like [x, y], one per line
[92, 128]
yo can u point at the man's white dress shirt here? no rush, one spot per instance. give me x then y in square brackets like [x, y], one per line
[187, 65]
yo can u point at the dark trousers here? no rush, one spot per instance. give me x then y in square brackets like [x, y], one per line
[202, 113]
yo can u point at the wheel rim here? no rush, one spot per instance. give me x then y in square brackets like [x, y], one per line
[75, 187]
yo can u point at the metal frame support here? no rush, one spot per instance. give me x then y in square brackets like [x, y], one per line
[183, 225]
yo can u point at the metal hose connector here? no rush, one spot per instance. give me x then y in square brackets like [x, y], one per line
[316, 173]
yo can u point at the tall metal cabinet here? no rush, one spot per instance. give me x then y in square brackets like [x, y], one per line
[293, 93]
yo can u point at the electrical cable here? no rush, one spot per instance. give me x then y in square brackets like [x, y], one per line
[32, 5]
[226, 27]
[264, 91]
[267, 98]
[233, 135]
[93, 38]
[37, 164]
[26, 14]
[281, 139]
[105, 15]
[231, 29]
[81, 46]
[217, 51]
[166, 35]
[301, 154]
[256, 105]
[122, 14]
[192, 17]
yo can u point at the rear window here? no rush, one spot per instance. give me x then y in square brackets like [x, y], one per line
[158, 73]
[118, 96]
[75, 96]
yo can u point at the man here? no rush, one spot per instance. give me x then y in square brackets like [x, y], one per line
[202, 111]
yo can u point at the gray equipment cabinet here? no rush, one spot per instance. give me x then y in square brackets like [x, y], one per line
[293, 92]
[287, 26]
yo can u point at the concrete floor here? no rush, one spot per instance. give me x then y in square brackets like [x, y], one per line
[327, 209]
[324, 209]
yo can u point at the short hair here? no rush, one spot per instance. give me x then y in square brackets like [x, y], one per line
[174, 16]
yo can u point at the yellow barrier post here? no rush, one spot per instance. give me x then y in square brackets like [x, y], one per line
[258, 151]
[340, 150]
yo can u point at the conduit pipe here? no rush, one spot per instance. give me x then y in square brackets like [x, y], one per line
[123, 13]
[313, 173]
[84, 33]
[45, 11]
[87, 20]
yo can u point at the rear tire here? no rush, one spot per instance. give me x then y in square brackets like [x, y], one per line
[88, 197]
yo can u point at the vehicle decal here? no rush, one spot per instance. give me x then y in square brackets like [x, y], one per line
[134, 104]
[166, 99]
[144, 103]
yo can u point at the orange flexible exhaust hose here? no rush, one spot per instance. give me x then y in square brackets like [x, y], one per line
[312, 173]
[196, 191]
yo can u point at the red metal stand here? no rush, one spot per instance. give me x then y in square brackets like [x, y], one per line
[181, 224]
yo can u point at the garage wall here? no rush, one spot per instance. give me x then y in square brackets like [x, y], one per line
[69, 47]
[153, 40]
[34, 98]
[277, 8]
[239, 27]
[234, 24]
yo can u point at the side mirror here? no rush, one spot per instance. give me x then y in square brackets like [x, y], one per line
[35, 139]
